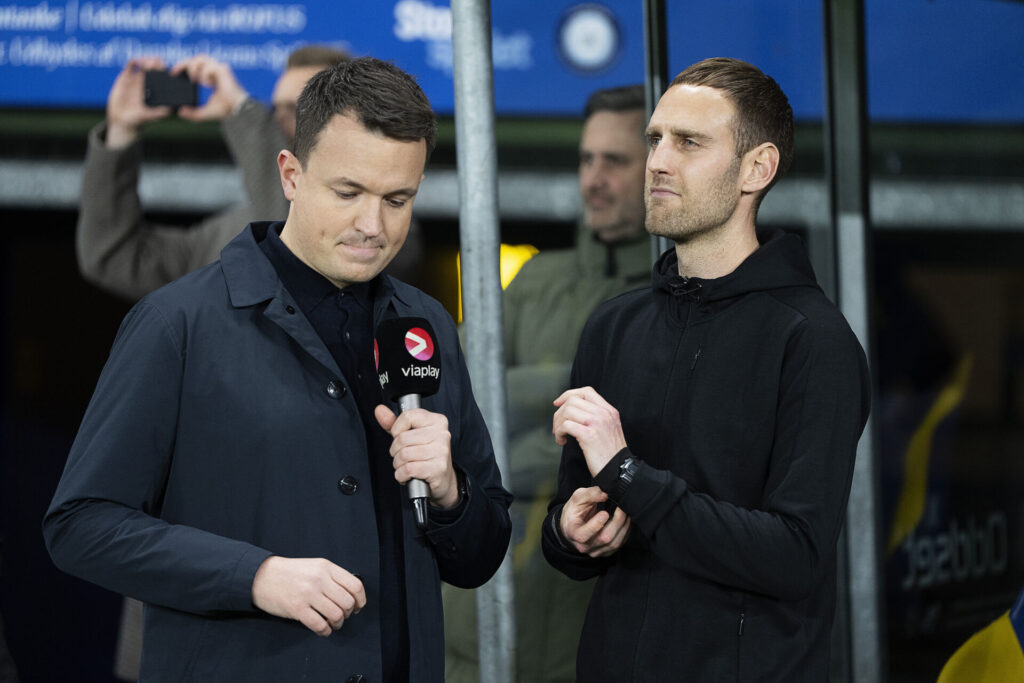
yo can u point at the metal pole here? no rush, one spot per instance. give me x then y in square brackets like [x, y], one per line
[847, 145]
[656, 77]
[481, 292]
[655, 52]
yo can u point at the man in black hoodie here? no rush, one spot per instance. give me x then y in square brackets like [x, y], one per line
[714, 419]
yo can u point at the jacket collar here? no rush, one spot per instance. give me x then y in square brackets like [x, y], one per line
[631, 257]
[251, 278]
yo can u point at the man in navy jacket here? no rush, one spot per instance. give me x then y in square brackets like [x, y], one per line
[718, 410]
[237, 468]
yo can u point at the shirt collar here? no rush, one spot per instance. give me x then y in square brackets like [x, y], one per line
[309, 287]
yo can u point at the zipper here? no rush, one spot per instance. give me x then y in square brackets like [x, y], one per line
[695, 357]
[739, 647]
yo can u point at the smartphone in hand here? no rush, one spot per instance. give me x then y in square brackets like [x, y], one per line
[163, 89]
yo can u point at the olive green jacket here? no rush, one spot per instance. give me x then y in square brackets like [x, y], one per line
[545, 308]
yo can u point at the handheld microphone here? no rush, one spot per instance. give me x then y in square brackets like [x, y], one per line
[408, 367]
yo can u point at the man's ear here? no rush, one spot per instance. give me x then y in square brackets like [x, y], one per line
[291, 170]
[759, 167]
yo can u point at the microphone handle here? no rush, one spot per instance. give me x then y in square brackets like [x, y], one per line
[417, 488]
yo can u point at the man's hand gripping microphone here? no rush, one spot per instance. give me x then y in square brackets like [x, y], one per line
[409, 368]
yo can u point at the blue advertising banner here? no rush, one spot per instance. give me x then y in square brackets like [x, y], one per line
[927, 60]
[547, 55]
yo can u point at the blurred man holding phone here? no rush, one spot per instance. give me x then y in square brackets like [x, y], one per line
[118, 248]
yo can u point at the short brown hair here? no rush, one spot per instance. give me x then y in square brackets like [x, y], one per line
[622, 98]
[378, 94]
[316, 55]
[763, 113]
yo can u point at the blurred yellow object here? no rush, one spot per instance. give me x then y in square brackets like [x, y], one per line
[510, 260]
[910, 505]
[993, 654]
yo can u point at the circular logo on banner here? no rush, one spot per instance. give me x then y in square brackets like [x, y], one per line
[589, 38]
[419, 344]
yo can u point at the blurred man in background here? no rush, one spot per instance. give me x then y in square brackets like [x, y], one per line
[545, 307]
[128, 255]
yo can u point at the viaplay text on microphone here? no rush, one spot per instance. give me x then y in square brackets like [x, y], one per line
[409, 367]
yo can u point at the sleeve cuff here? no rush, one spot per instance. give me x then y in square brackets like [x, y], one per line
[444, 517]
[556, 530]
[98, 143]
[608, 478]
[245, 574]
[240, 105]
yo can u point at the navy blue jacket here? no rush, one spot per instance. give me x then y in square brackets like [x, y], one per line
[217, 436]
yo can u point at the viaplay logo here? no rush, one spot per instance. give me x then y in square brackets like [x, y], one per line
[419, 344]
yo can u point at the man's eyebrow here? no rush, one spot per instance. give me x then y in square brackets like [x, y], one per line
[404, 192]
[342, 180]
[355, 185]
[614, 156]
[679, 133]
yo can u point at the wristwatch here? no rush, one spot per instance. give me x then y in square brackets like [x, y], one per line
[460, 479]
[627, 470]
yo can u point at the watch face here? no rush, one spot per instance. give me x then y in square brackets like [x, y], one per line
[627, 469]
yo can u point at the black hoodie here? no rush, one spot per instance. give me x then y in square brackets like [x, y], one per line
[743, 398]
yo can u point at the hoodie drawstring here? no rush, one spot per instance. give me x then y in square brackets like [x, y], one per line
[685, 287]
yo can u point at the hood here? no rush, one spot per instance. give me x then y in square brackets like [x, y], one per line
[781, 261]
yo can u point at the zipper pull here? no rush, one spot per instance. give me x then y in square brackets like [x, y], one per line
[695, 357]
[742, 615]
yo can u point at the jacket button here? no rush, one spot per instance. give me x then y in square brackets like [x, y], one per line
[358, 678]
[348, 484]
[335, 389]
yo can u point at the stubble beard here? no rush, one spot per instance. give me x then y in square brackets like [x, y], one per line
[697, 215]
[605, 219]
